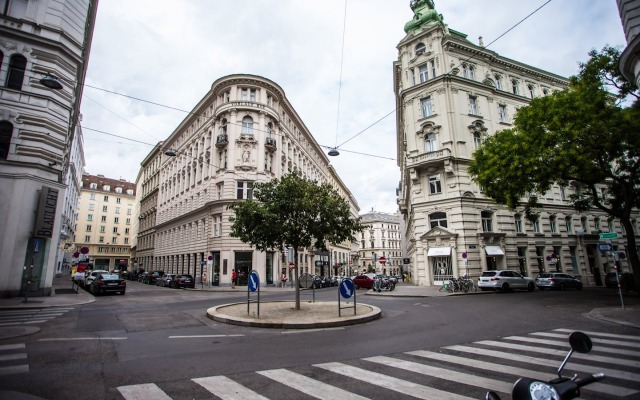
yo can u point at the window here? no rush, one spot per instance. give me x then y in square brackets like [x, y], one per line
[128, 221]
[116, 220]
[610, 225]
[536, 225]
[487, 217]
[128, 211]
[423, 72]
[596, 223]
[531, 92]
[438, 219]
[89, 217]
[430, 143]
[217, 225]
[435, 186]
[247, 125]
[126, 240]
[502, 113]
[106, 198]
[115, 229]
[219, 189]
[6, 131]
[106, 188]
[88, 228]
[114, 240]
[118, 199]
[117, 210]
[100, 239]
[104, 208]
[87, 239]
[14, 8]
[103, 218]
[93, 186]
[477, 140]
[569, 224]
[473, 106]
[102, 228]
[92, 196]
[553, 226]
[92, 207]
[420, 48]
[468, 71]
[498, 80]
[118, 190]
[563, 193]
[15, 75]
[585, 224]
[518, 222]
[432, 64]
[252, 95]
[514, 86]
[244, 190]
[426, 106]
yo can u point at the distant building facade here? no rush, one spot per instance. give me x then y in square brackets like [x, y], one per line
[451, 94]
[244, 131]
[105, 222]
[44, 51]
[630, 59]
[381, 238]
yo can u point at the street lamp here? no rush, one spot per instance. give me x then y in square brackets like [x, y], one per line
[170, 153]
[334, 152]
[51, 82]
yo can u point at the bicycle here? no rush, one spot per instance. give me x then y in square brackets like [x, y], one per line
[446, 287]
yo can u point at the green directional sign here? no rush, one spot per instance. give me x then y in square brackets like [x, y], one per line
[608, 235]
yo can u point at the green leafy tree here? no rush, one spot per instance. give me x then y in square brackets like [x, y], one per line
[296, 212]
[582, 135]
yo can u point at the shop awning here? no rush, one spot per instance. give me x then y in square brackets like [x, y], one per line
[494, 251]
[439, 251]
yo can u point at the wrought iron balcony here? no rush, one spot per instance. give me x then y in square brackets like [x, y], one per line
[222, 140]
[270, 143]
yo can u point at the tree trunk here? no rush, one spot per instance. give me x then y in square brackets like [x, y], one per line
[632, 252]
[295, 277]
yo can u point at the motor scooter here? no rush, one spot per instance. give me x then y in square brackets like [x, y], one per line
[561, 388]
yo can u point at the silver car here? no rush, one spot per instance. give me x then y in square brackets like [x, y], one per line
[557, 280]
[504, 281]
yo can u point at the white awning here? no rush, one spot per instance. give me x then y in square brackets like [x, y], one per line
[439, 251]
[494, 251]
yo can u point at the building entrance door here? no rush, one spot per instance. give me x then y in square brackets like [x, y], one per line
[442, 269]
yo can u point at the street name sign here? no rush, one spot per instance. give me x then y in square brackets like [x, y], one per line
[608, 235]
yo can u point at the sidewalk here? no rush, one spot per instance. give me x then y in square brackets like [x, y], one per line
[65, 296]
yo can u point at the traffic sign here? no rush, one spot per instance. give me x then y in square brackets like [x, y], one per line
[382, 260]
[604, 247]
[306, 280]
[608, 235]
[254, 281]
[346, 288]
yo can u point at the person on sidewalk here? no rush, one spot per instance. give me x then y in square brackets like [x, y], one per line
[234, 279]
[283, 279]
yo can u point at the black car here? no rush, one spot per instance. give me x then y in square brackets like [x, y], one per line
[626, 281]
[108, 283]
[182, 281]
[152, 277]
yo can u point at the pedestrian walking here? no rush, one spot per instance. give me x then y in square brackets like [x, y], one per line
[234, 279]
[283, 279]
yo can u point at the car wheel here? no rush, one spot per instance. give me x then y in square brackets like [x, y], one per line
[531, 287]
[579, 287]
[561, 286]
[505, 287]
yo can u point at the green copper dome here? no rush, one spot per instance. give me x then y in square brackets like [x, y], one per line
[424, 13]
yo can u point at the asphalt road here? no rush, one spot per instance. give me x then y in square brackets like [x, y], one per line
[162, 336]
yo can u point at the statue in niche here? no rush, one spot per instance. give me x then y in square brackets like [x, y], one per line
[246, 154]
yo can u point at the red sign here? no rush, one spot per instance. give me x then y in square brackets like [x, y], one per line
[291, 265]
[382, 260]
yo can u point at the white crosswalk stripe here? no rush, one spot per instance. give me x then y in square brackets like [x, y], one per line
[485, 365]
[12, 357]
[29, 316]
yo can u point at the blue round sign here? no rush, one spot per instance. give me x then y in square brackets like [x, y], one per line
[254, 281]
[347, 289]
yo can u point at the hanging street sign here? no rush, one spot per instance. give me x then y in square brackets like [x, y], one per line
[608, 235]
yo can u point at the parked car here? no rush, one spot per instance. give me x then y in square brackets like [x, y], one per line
[108, 283]
[364, 281]
[182, 281]
[152, 277]
[165, 281]
[505, 280]
[557, 280]
[626, 281]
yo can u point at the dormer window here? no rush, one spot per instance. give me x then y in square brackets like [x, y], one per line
[106, 188]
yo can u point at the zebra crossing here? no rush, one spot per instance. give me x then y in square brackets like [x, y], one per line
[30, 316]
[13, 359]
[464, 371]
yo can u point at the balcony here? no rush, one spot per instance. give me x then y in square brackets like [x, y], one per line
[222, 141]
[270, 144]
[431, 161]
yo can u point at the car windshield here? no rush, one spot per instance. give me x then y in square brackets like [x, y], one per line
[110, 276]
[489, 273]
[545, 276]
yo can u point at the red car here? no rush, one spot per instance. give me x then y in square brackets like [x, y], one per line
[364, 281]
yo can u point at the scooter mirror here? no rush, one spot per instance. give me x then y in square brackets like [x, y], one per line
[580, 342]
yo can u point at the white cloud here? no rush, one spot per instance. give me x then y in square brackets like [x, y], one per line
[171, 52]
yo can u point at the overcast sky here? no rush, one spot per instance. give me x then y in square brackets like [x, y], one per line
[170, 52]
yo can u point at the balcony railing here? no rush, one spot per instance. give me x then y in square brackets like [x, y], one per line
[222, 140]
[270, 143]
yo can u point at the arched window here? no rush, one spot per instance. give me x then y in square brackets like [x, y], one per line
[270, 128]
[223, 126]
[247, 125]
[15, 76]
[430, 143]
[420, 48]
[498, 80]
[6, 131]
[531, 92]
[477, 140]
[438, 219]
[514, 86]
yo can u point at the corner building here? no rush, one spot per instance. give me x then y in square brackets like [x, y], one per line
[450, 95]
[244, 131]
